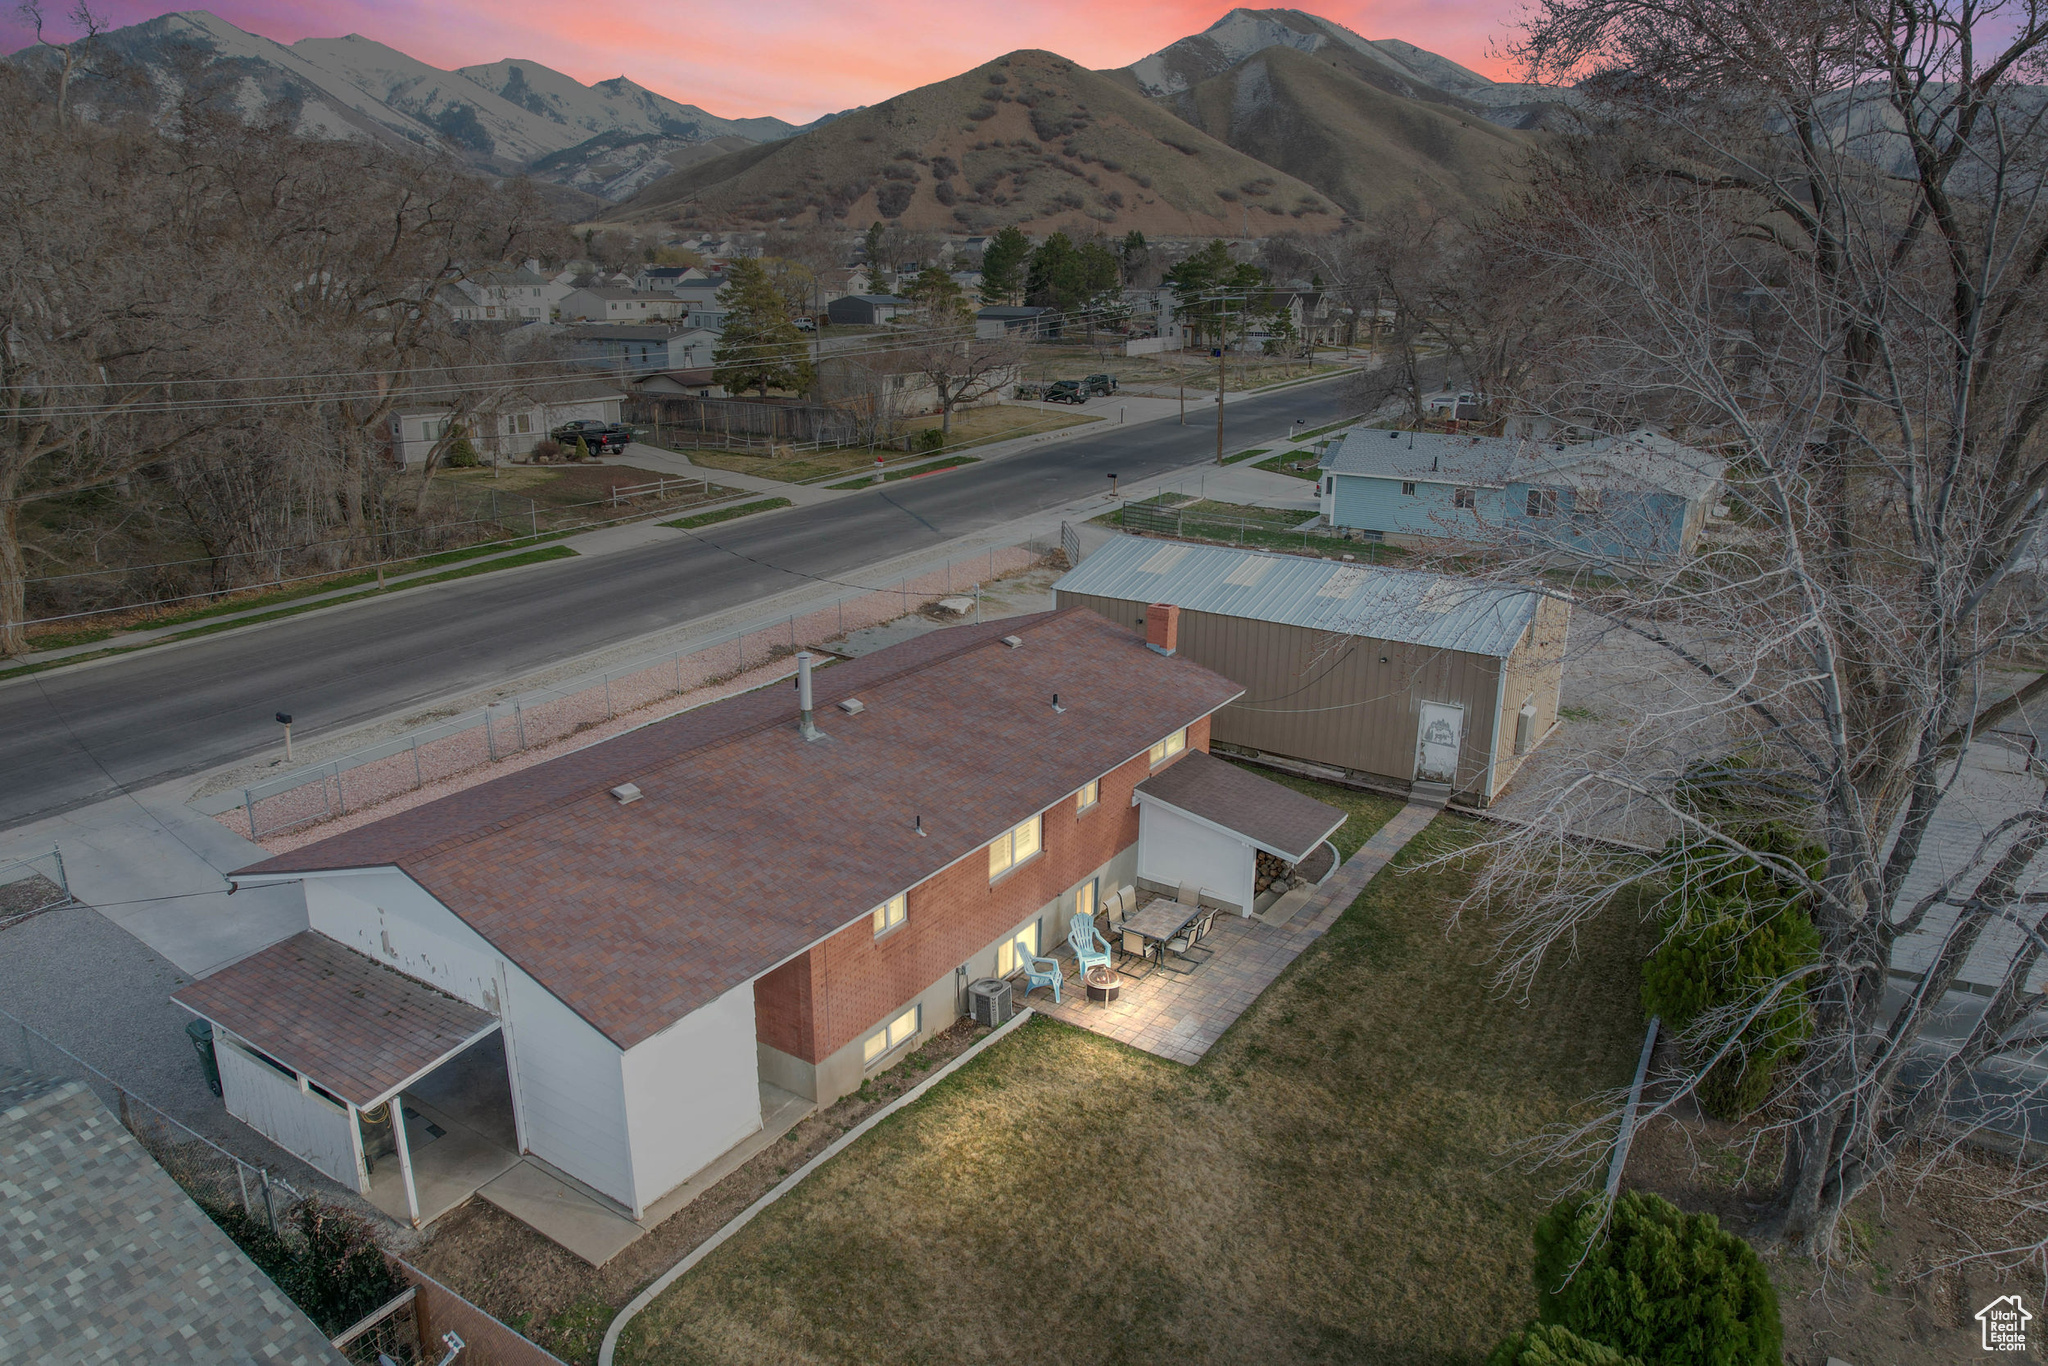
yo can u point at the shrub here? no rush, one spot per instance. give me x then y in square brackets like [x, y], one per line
[1547, 1344]
[333, 1269]
[1669, 1288]
[1735, 928]
[931, 439]
[545, 451]
[461, 452]
[577, 450]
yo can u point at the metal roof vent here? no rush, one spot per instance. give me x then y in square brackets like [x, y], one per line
[853, 706]
[627, 793]
[1014, 642]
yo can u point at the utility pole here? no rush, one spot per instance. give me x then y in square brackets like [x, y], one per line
[1222, 297]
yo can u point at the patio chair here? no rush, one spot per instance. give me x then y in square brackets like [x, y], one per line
[1189, 894]
[1090, 948]
[1189, 942]
[1039, 972]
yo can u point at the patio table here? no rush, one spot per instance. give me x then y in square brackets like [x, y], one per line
[1159, 920]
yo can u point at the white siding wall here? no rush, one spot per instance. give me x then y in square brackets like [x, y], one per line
[568, 1083]
[1173, 849]
[298, 1121]
[692, 1091]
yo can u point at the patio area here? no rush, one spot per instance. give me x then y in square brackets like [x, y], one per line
[1179, 1015]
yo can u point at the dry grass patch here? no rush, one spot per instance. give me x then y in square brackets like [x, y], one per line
[1330, 1184]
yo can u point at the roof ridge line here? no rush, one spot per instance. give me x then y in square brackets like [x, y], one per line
[532, 813]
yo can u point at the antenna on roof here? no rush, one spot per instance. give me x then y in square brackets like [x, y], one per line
[920, 828]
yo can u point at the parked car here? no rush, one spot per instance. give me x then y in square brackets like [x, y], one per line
[603, 438]
[1100, 384]
[1066, 391]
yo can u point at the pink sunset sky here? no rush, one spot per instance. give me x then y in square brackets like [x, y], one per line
[801, 58]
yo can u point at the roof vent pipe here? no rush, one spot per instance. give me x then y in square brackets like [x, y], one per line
[807, 726]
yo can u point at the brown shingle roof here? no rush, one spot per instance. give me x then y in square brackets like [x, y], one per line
[750, 844]
[351, 1024]
[1283, 821]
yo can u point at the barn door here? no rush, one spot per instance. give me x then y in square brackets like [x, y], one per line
[1436, 746]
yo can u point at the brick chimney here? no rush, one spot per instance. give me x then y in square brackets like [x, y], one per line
[1162, 627]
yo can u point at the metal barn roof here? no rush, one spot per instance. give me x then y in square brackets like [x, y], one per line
[1400, 605]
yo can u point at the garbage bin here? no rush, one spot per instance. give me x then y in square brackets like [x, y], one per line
[201, 1034]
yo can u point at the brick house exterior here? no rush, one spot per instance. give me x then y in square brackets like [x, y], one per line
[818, 1007]
[658, 937]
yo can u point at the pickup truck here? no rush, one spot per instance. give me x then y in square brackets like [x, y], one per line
[603, 438]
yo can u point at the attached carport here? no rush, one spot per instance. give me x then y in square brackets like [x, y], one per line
[1205, 821]
[313, 1039]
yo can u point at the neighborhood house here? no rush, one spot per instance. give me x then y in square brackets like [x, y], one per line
[507, 430]
[628, 953]
[1399, 676]
[1642, 498]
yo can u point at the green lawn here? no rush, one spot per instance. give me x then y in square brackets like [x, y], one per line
[1330, 1184]
[727, 514]
[1286, 462]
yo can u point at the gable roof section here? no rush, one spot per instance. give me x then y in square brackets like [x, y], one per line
[1639, 459]
[749, 844]
[1401, 605]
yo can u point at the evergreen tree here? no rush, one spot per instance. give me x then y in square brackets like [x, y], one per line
[872, 248]
[1661, 1285]
[939, 299]
[760, 347]
[1072, 279]
[1002, 267]
[1213, 294]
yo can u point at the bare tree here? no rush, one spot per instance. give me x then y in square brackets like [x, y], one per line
[1810, 238]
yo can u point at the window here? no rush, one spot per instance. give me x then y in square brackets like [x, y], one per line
[1085, 900]
[1170, 746]
[890, 914]
[1089, 794]
[892, 1035]
[1330, 483]
[1407, 488]
[1464, 498]
[525, 422]
[1585, 509]
[1013, 847]
[1542, 502]
[1011, 953]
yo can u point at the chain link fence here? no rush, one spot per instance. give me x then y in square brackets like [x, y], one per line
[544, 716]
[29, 886]
[209, 1173]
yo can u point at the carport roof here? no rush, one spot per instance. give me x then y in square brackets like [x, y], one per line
[1275, 818]
[358, 1028]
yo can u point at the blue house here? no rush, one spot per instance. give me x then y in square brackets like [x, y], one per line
[1640, 498]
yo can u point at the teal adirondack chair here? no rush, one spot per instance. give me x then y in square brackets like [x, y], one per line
[1090, 948]
[1039, 972]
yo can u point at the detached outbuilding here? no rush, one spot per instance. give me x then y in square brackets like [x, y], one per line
[1389, 674]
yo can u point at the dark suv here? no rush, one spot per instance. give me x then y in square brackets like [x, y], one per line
[603, 438]
[1104, 385]
[1066, 391]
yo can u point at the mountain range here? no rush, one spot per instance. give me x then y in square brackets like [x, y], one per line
[1267, 120]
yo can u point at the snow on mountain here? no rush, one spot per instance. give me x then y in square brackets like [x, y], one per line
[618, 105]
[1243, 33]
[504, 117]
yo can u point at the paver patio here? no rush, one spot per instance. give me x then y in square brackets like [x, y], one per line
[1180, 1016]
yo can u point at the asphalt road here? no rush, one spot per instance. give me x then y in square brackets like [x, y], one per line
[70, 737]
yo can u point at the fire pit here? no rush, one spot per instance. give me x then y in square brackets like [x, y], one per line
[1104, 985]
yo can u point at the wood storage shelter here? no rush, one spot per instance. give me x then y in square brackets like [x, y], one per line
[1390, 675]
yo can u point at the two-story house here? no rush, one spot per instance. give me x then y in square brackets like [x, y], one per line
[632, 950]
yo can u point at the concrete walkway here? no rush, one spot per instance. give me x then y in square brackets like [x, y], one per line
[1180, 1016]
[640, 455]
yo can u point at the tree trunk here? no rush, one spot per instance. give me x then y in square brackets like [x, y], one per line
[13, 578]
